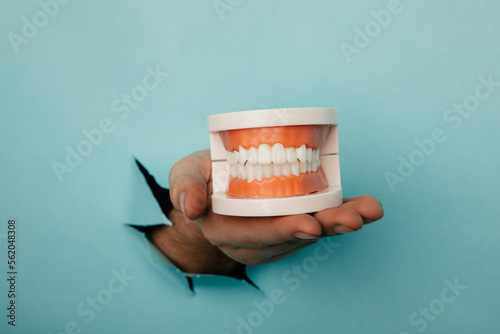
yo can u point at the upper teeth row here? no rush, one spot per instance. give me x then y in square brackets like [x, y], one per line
[276, 154]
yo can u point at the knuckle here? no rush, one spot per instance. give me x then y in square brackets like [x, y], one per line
[354, 220]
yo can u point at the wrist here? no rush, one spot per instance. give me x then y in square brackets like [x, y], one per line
[184, 244]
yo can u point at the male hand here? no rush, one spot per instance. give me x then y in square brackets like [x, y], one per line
[201, 241]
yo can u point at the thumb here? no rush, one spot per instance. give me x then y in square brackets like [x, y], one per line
[188, 180]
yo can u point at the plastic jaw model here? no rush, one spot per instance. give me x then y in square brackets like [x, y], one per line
[274, 162]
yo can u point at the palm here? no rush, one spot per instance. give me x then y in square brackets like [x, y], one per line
[250, 240]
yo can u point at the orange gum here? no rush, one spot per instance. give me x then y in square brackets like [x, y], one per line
[312, 136]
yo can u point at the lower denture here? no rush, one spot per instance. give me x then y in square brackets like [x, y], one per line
[282, 186]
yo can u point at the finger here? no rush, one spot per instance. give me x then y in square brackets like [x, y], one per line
[339, 220]
[251, 232]
[188, 181]
[349, 217]
[368, 207]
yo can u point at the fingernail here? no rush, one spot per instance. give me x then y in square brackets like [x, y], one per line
[183, 195]
[342, 229]
[303, 236]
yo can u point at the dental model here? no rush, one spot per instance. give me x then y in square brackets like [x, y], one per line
[275, 162]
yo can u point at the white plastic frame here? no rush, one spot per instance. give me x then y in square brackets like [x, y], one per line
[260, 207]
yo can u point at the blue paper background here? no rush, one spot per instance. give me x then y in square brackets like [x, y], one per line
[441, 223]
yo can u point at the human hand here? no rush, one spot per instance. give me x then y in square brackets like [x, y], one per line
[202, 241]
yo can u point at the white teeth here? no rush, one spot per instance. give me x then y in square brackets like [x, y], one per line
[279, 154]
[250, 173]
[259, 173]
[303, 167]
[265, 155]
[233, 170]
[268, 171]
[314, 166]
[236, 157]
[287, 169]
[267, 161]
[277, 170]
[309, 154]
[295, 169]
[253, 156]
[291, 155]
[243, 155]
[301, 153]
[242, 172]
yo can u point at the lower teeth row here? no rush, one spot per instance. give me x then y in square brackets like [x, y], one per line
[258, 172]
